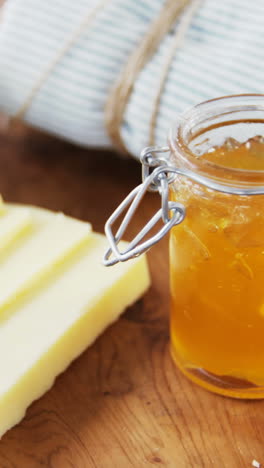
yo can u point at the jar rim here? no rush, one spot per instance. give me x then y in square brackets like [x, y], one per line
[224, 105]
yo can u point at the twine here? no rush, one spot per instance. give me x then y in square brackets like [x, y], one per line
[121, 92]
[176, 43]
[119, 96]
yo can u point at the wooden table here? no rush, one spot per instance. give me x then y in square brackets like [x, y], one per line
[123, 403]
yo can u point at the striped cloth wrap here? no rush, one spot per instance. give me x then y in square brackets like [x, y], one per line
[61, 59]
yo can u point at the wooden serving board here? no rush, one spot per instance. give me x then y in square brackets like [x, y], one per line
[123, 403]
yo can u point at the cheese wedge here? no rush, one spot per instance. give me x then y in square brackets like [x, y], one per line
[56, 319]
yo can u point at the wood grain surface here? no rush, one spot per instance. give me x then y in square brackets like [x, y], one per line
[123, 403]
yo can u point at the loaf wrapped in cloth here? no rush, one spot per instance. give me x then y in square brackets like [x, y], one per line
[106, 73]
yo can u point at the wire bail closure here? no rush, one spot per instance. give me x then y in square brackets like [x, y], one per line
[155, 179]
[157, 175]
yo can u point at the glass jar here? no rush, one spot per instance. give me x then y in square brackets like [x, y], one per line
[217, 252]
[212, 189]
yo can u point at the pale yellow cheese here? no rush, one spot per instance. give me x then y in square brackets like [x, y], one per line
[13, 224]
[53, 240]
[59, 318]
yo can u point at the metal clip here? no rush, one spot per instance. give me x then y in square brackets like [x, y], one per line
[150, 162]
[171, 213]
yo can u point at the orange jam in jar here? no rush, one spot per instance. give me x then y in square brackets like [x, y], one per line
[217, 252]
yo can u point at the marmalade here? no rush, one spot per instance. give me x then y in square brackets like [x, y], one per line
[217, 272]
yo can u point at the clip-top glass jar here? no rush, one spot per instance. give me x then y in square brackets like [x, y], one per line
[217, 250]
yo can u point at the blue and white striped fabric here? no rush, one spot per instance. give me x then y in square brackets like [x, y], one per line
[222, 54]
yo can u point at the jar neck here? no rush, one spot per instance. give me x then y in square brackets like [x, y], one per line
[207, 125]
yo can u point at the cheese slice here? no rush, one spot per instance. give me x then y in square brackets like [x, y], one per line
[58, 318]
[13, 224]
[53, 240]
